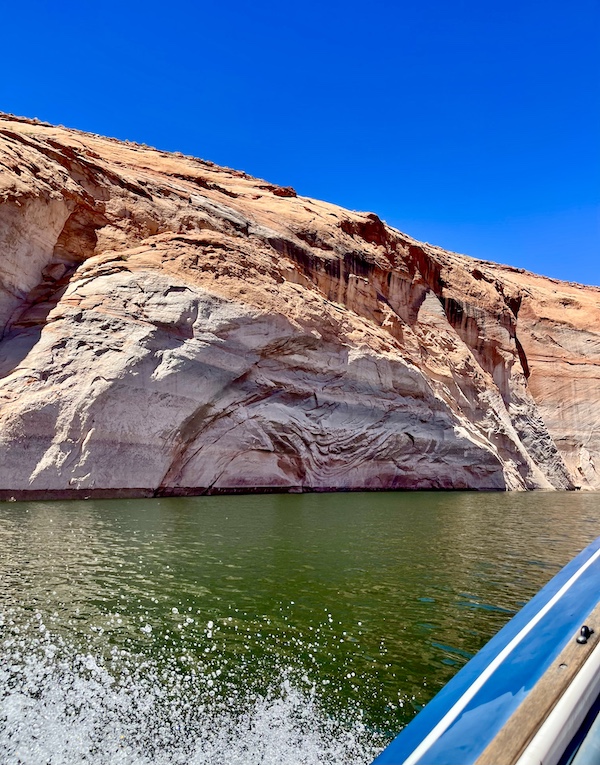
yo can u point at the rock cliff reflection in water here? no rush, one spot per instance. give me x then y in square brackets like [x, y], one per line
[261, 629]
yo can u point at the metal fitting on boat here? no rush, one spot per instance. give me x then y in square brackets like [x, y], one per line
[584, 634]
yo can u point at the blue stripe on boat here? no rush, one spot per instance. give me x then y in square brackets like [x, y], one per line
[463, 739]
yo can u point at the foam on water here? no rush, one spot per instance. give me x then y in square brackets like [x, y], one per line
[62, 705]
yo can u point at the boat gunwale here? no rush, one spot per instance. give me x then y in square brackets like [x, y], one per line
[440, 730]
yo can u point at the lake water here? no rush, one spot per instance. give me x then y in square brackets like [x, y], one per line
[288, 629]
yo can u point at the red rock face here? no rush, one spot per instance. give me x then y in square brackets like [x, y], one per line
[172, 327]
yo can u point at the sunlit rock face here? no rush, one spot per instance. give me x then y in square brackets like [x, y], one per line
[173, 327]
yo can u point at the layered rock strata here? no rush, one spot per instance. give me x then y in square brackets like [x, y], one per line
[174, 327]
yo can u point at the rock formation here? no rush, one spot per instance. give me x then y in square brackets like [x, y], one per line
[173, 327]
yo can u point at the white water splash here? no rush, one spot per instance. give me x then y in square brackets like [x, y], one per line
[63, 707]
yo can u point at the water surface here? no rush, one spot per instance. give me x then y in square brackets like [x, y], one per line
[256, 629]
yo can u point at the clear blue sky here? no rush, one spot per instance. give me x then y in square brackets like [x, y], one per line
[469, 124]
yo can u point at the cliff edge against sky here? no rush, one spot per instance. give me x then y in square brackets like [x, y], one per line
[173, 327]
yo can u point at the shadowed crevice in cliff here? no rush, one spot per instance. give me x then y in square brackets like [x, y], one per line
[514, 302]
[78, 240]
[522, 358]
[25, 328]
[75, 244]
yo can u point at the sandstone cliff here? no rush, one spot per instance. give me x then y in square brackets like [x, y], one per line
[172, 327]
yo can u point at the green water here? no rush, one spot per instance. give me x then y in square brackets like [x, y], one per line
[256, 629]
